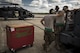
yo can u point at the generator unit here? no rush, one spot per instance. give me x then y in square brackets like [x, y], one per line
[19, 36]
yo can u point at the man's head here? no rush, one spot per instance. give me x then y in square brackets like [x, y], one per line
[57, 8]
[51, 11]
[65, 8]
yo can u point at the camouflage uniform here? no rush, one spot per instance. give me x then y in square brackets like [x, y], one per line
[48, 37]
[58, 29]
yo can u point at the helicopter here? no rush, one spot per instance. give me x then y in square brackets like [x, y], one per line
[14, 12]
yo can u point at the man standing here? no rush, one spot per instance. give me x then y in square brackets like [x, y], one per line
[68, 20]
[47, 22]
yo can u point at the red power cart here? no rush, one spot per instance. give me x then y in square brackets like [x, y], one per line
[19, 35]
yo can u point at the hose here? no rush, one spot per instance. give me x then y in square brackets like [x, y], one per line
[36, 25]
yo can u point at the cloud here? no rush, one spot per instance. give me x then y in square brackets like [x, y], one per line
[75, 1]
[34, 3]
[56, 0]
[39, 3]
[12, 1]
[46, 5]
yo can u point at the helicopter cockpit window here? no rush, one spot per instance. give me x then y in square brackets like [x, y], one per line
[16, 13]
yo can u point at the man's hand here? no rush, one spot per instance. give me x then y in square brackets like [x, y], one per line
[42, 22]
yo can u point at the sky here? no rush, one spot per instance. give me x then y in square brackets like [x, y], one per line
[43, 6]
[12, 1]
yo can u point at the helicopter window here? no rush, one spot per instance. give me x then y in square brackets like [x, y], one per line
[16, 13]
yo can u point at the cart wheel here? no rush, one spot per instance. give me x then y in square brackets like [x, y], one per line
[21, 18]
[13, 51]
[31, 45]
[5, 18]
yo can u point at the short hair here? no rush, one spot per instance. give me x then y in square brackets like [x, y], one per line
[65, 6]
[50, 11]
[57, 6]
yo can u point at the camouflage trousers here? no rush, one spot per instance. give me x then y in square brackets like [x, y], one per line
[48, 37]
[58, 30]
